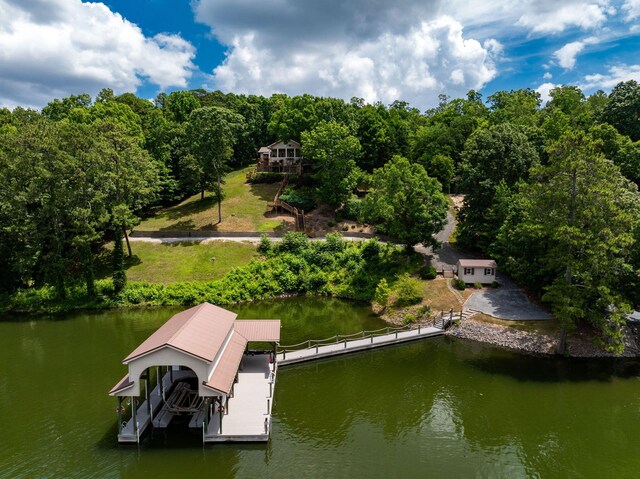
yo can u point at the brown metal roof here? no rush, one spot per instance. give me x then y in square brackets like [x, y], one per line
[124, 383]
[259, 329]
[227, 367]
[199, 331]
[477, 263]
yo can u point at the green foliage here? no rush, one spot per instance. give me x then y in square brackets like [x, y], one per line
[428, 272]
[119, 275]
[406, 203]
[477, 285]
[382, 293]
[294, 266]
[495, 284]
[256, 177]
[409, 318]
[459, 284]
[334, 152]
[623, 109]
[265, 246]
[572, 234]
[299, 200]
[407, 290]
[494, 160]
[441, 168]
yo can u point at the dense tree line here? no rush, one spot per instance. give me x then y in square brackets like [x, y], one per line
[551, 190]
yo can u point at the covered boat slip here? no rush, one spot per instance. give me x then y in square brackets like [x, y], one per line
[204, 372]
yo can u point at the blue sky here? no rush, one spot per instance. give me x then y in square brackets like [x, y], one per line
[378, 50]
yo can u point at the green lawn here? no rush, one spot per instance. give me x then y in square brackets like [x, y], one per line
[168, 263]
[244, 208]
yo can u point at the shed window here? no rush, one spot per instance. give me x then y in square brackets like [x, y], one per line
[488, 271]
[469, 271]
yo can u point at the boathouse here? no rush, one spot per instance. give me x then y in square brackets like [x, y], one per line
[198, 366]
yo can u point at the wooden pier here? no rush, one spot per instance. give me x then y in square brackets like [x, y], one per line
[345, 344]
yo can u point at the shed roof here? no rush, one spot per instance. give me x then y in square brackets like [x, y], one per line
[225, 371]
[477, 263]
[259, 329]
[199, 331]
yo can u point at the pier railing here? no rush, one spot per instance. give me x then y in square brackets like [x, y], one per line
[345, 338]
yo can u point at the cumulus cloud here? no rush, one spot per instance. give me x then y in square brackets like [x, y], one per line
[632, 9]
[566, 55]
[537, 18]
[53, 48]
[615, 75]
[380, 52]
[544, 90]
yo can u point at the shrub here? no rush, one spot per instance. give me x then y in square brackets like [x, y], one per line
[352, 209]
[293, 243]
[265, 245]
[495, 284]
[408, 290]
[424, 310]
[382, 293]
[459, 284]
[300, 201]
[409, 318]
[428, 272]
[263, 177]
[477, 285]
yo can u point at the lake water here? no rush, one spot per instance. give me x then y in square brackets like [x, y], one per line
[436, 408]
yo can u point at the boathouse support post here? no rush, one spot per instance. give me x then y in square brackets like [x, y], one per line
[119, 414]
[226, 403]
[159, 380]
[220, 413]
[134, 412]
[147, 393]
[206, 414]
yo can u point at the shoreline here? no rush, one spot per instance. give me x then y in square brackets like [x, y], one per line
[532, 343]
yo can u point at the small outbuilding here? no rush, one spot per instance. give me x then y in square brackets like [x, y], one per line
[477, 270]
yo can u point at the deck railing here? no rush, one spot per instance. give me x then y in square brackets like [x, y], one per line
[345, 338]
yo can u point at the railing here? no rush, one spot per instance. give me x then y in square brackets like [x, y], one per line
[278, 203]
[345, 338]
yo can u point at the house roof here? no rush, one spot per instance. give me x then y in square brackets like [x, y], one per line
[477, 263]
[267, 330]
[225, 371]
[264, 149]
[291, 143]
[199, 331]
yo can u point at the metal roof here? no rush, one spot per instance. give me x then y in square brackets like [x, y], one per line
[477, 263]
[199, 331]
[123, 384]
[225, 371]
[259, 329]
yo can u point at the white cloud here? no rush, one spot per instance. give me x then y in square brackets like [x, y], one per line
[544, 90]
[566, 56]
[538, 17]
[547, 76]
[374, 49]
[632, 9]
[53, 48]
[615, 75]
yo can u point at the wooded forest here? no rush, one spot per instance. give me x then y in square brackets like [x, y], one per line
[551, 190]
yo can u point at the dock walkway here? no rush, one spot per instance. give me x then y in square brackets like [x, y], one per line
[312, 350]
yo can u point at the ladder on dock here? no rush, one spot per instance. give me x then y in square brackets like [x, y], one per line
[343, 344]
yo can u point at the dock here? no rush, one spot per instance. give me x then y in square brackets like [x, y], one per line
[311, 350]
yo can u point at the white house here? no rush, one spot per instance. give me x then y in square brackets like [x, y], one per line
[477, 270]
[280, 157]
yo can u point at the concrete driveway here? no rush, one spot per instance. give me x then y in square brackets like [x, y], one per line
[506, 302]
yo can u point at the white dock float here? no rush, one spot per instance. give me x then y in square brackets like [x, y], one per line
[347, 346]
[248, 414]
